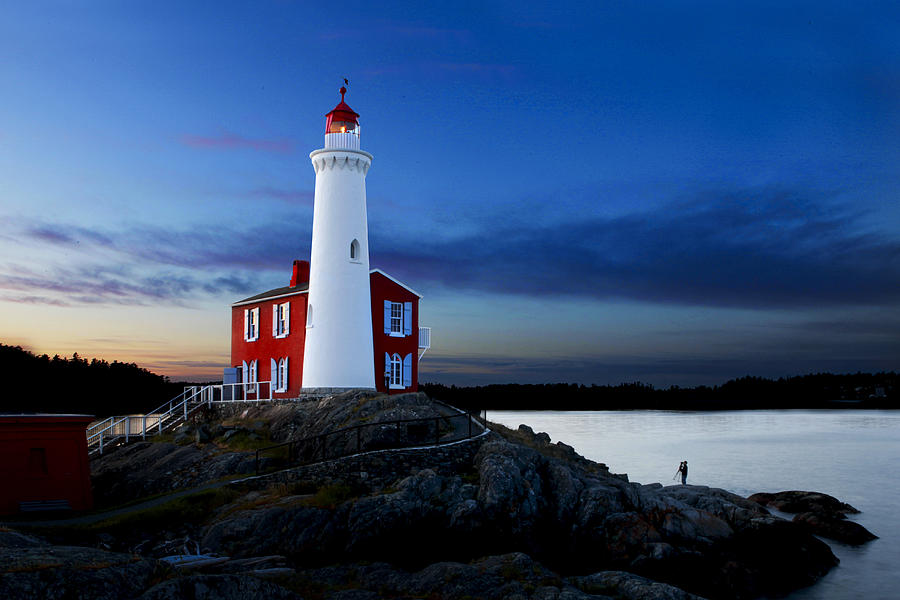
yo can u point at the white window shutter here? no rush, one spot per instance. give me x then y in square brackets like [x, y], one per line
[273, 370]
[245, 372]
[246, 325]
[407, 318]
[256, 323]
[274, 320]
[407, 370]
[287, 318]
[387, 362]
[284, 376]
[387, 317]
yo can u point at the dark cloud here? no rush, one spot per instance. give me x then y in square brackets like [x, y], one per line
[106, 285]
[141, 265]
[757, 249]
[18, 299]
[199, 247]
[63, 235]
[51, 235]
[253, 248]
[232, 283]
[769, 248]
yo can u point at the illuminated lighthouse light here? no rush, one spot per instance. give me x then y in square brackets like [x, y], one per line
[342, 126]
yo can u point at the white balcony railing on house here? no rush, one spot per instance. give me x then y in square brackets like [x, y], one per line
[424, 340]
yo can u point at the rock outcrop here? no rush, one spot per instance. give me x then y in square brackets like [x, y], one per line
[45, 571]
[147, 468]
[572, 519]
[219, 587]
[513, 575]
[499, 516]
[819, 514]
[801, 502]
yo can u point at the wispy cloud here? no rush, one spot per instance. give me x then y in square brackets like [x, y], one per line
[198, 247]
[756, 248]
[41, 300]
[98, 285]
[67, 236]
[232, 141]
[760, 248]
[149, 265]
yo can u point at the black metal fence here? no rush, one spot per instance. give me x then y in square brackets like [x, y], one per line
[381, 435]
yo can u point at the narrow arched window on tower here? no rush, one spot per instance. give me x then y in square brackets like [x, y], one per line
[309, 316]
[354, 250]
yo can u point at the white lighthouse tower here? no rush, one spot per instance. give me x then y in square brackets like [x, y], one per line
[338, 349]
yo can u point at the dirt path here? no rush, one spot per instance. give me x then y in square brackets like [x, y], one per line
[90, 519]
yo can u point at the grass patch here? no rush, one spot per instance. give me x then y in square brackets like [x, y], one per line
[243, 441]
[330, 496]
[472, 477]
[192, 508]
[32, 568]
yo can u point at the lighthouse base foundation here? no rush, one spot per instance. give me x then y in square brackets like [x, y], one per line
[331, 391]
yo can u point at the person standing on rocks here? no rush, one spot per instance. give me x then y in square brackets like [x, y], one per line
[683, 469]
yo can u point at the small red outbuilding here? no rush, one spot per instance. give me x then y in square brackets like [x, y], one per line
[44, 462]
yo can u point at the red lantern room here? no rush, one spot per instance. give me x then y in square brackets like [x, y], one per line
[342, 119]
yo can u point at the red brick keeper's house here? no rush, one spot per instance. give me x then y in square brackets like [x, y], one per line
[268, 334]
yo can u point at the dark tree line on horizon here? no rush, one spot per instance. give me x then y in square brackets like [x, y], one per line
[820, 390]
[41, 383]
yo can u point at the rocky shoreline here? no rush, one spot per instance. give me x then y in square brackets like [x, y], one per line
[508, 514]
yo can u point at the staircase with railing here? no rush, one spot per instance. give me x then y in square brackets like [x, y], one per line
[122, 429]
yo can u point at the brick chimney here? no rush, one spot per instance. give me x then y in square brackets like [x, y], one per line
[301, 272]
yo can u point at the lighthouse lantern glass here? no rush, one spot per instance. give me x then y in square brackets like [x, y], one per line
[342, 127]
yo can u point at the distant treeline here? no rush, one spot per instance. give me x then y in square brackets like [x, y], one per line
[32, 383]
[821, 390]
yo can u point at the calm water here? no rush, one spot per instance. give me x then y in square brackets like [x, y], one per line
[852, 455]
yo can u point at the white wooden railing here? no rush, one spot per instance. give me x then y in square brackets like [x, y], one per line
[173, 413]
[424, 340]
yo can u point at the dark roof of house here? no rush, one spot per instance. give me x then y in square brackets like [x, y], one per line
[303, 287]
[282, 291]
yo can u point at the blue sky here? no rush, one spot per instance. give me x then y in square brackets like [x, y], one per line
[677, 193]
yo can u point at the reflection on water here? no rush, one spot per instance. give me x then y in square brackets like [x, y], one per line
[852, 455]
